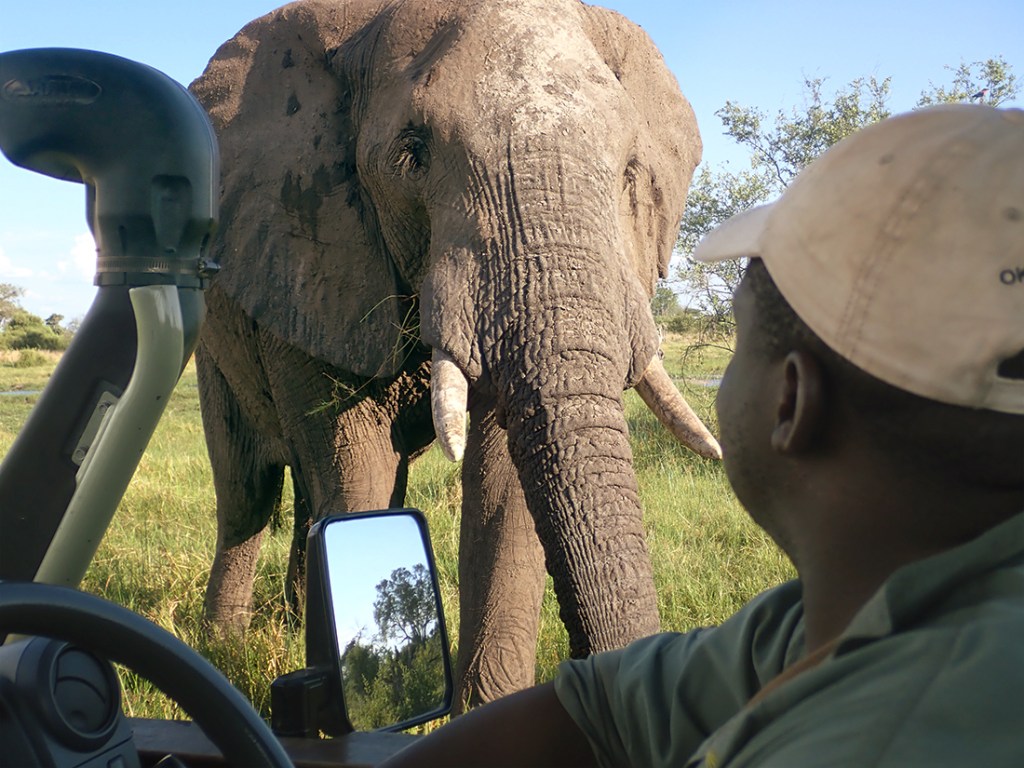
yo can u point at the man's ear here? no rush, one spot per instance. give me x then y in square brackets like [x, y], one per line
[801, 406]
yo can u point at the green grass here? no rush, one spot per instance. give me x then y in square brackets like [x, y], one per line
[708, 557]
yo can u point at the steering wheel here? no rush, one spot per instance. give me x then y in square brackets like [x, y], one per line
[122, 636]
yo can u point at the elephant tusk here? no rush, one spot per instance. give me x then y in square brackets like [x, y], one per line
[665, 401]
[449, 391]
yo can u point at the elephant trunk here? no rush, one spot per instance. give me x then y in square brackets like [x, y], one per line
[575, 465]
[555, 369]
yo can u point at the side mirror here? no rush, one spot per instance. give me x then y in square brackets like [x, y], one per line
[376, 643]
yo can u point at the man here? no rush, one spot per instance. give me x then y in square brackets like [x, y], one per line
[872, 421]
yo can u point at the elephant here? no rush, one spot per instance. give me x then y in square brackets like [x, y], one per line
[434, 212]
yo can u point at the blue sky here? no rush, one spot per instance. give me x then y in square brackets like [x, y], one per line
[753, 52]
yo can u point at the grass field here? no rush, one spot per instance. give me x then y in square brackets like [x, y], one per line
[708, 557]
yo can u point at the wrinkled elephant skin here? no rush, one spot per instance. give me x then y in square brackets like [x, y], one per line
[498, 184]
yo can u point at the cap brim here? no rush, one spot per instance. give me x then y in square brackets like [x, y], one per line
[737, 237]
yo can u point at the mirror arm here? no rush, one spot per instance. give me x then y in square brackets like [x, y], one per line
[311, 701]
[296, 700]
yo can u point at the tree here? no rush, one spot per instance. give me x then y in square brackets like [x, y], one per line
[398, 674]
[664, 302]
[778, 153]
[404, 610]
[9, 296]
[715, 197]
[53, 323]
[23, 330]
[800, 136]
[993, 78]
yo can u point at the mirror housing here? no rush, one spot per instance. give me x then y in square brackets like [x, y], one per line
[377, 651]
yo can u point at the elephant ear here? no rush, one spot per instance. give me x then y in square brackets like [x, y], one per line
[298, 243]
[668, 139]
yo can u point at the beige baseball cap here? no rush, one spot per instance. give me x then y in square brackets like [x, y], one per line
[902, 247]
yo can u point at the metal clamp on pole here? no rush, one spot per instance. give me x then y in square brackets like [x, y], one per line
[137, 139]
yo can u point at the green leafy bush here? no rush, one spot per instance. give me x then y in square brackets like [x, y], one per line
[33, 338]
[30, 358]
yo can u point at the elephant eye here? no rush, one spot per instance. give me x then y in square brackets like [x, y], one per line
[411, 157]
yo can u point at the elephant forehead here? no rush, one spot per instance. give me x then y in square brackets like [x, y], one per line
[520, 65]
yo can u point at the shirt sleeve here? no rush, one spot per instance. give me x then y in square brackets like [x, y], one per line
[655, 701]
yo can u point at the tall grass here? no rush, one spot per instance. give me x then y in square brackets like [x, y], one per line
[708, 557]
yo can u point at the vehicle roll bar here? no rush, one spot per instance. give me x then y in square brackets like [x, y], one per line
[147, 156]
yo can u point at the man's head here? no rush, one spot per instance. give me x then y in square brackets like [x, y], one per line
[894, 268]
[902, 247]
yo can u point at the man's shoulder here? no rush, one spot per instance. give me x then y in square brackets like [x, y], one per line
[937, 694]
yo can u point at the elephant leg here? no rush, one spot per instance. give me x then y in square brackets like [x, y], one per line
[343, 455]
[501, 572]
[349, 439]
[294, 585]
[248, 488]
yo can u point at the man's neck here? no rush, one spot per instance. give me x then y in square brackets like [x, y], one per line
[835, 589]
[857, 537]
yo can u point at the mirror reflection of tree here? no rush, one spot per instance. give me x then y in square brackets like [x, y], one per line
[404, 609]
[398, 672]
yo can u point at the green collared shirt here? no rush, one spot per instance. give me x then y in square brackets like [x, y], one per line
[930, 672]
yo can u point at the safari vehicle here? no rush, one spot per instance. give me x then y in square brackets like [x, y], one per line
[148, 158]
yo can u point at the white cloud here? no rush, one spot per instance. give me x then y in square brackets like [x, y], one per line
[8, 269]
[82, 258]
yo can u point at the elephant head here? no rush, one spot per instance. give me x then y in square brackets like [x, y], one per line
[501, 181]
